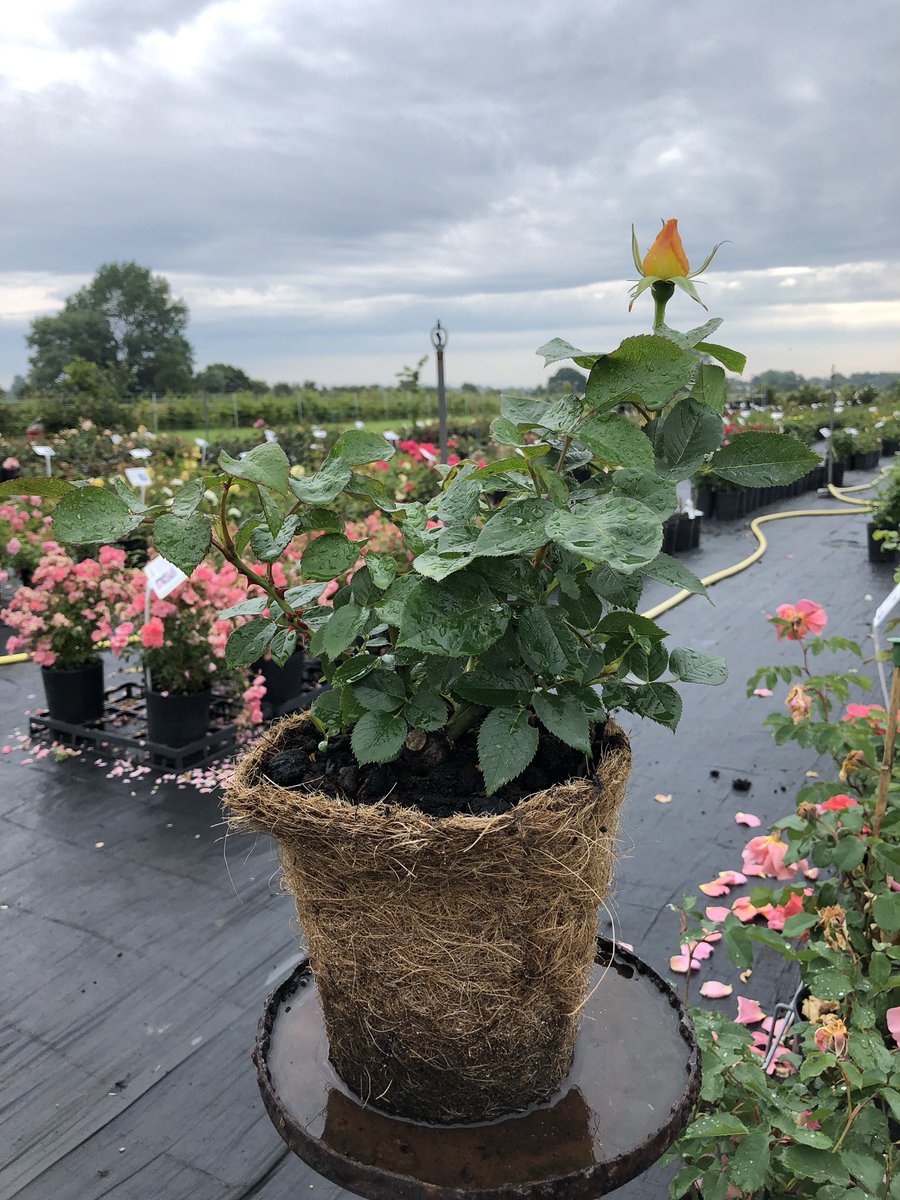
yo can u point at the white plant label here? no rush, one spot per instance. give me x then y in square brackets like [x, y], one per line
[271, 435]
[163, 577]
[44, 451]
[141, 453]
[138, 476]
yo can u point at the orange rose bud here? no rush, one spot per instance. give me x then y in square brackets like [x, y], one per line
[666, 258]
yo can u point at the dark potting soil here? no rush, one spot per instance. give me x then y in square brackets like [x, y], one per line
[439, 780]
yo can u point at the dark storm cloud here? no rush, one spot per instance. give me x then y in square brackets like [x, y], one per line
[499, 149]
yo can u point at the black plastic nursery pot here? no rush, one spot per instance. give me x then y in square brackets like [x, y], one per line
[730, 506]
[683, 536]
[282, 683]
[876, 551]
[889, 448]
[74, 696]
[175, 719]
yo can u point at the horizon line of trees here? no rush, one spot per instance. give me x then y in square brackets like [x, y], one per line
[124, 335]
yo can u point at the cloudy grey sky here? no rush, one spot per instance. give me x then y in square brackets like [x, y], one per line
[321, 179]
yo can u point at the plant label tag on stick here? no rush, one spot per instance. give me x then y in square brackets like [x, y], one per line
[140, 453]
[138, 476]
[163, 577]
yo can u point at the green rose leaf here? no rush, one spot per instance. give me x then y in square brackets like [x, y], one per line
[329, 481]
[658, 702]
[732, 360]
[382, 568]
[434, 565]
[451, 618]
[505, 433]
[565, 717]
[710, 387]
[692, 337]
[666, 569]
[763, 459]
[249, 642]
[622, 533]
[246, 608]
[685, 436]
[506, 745]
[646, 370]
[378, 737]
[715, 1126]
[886, 912]
[559, 350]
[303, 595]
[696, 666]
[659, 495]
[427, 711]
[343, 629]
[493, 686]
[614, 440]
[328, 556]
[35, 485]
[516, 528]
[799, 923]
[183, 542]
[819, 1166]
[86, 515]
[266, 464]
[188, 499]
[522, 410]
[380, 691]
[283, 645]
[356, 447]
[267, 547]
[749, 1165]
[563, 414]
[546, 643]
[126, 495]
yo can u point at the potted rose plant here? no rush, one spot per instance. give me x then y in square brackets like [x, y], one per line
[69, 608]
[447, 812]
[181, 644]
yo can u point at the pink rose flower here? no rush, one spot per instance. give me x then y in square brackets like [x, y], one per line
[802, 618]
[153, 634]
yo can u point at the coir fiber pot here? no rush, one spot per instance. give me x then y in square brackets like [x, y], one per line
[75, 696]
[175, 719]
[452, 954]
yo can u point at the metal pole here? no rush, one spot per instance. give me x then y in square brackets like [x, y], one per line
[155, 415]
[830, 471]
[234, 409]
[206, 416]
[890, 734]
[439, 341]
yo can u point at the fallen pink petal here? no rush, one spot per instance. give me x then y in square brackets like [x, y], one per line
[717, 914]
[748, 819]
[749, 1011]
[714, 990]
[763, 692]
[663, 798]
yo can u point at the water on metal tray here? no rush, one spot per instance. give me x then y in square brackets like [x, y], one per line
[607, 1106]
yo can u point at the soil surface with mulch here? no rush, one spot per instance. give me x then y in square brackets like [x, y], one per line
[439, 779]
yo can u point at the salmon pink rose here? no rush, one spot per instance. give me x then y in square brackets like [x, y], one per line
[800, 619]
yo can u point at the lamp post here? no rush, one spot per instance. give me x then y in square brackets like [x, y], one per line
[439, 341]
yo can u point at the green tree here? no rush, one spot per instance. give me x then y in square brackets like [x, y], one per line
[126, 322]
[222, 378]
[567, 379]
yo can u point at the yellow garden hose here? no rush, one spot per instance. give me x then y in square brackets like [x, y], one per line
[726, 573]
[756, 529]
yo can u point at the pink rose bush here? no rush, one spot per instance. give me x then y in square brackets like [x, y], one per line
[24, 528]
[182, 640]
[70, 607]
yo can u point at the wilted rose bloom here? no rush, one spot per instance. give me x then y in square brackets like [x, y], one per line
[851, 763]
[803, 617]
[833, 1037]
[765, 855]
[799, 704]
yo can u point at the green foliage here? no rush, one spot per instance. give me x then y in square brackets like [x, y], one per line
[818, 1131]
[514, 610]
[126, 323]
